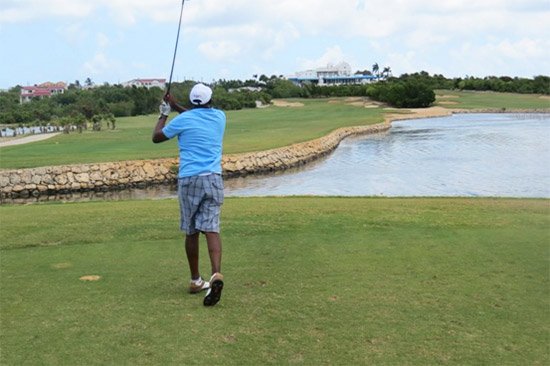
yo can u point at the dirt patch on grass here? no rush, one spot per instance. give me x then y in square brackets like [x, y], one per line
[447, 102]
[365, 104]
[446, 96]
[284, 103]
[90, 278]
[545, 97]
[356, 102]
[63, 265]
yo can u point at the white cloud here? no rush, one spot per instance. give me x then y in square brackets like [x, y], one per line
[523, 57]
[103, 40]
[406, 62]
[345, 18]
[28, 10]
[454, 37]
[523, 49]
[332, 55]
[220, 51]
[99, 64]
[423, 39]
[73, 33]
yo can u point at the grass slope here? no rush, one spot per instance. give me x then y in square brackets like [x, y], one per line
[491, 100]
[247, 130]
[338, 281]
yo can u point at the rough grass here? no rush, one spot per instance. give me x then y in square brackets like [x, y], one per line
[339, 281]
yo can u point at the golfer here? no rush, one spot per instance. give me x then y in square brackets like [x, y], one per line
[200, 185]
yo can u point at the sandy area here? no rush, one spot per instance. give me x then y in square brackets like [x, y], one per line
[546, 97]
[446, 102]
[365, 104]
[356, 102]
[90, 278]
[446, 96]
[26, 139]
[284, 103]
[419, 113]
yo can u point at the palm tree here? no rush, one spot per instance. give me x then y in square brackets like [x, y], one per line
[375, 69]
[386, 71]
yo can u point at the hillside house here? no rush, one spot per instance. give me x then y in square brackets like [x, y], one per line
[339, 74]
[44, 90]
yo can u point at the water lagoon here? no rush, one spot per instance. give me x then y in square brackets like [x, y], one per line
[462, 155]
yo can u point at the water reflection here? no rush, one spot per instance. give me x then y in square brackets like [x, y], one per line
[462, 155]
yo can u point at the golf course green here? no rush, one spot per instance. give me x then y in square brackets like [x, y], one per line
[309, 280]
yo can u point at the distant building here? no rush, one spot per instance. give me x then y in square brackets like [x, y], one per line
[147, 83]
[44, 90]
[245, 88]
[338, 74]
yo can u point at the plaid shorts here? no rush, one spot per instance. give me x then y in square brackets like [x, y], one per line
[201, 198]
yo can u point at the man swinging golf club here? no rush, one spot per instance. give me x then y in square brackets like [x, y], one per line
[200, 186]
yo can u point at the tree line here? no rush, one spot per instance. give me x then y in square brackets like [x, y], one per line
[84, 106]
[92, 106]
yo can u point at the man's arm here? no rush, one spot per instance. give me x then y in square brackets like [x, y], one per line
[158, 135]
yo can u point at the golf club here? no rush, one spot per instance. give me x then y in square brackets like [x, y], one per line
[175, 49]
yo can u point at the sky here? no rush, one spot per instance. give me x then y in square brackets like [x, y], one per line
[118, 40]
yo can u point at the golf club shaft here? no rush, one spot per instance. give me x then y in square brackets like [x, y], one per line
[175, 49]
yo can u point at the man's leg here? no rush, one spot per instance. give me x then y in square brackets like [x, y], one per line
[192, 250]
[214, 243]
[216, 281]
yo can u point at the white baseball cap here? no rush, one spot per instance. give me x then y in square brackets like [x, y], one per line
[200, 94]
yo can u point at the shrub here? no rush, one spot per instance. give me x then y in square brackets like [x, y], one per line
[409, 93]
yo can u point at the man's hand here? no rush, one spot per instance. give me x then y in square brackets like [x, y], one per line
[174, 104]
[164, 109]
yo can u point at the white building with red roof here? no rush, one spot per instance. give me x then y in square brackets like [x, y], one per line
[44, 90]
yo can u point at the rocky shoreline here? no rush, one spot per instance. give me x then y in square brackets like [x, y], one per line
[102, 177]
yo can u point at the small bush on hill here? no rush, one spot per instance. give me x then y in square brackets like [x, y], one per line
[402, 94]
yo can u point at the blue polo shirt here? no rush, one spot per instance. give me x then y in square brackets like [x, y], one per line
[200, 137]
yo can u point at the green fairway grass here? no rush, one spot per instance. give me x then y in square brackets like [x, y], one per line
[247, 130]
[331, 281]
[484, 100]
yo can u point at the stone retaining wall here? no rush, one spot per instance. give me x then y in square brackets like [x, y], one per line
[141, 173]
